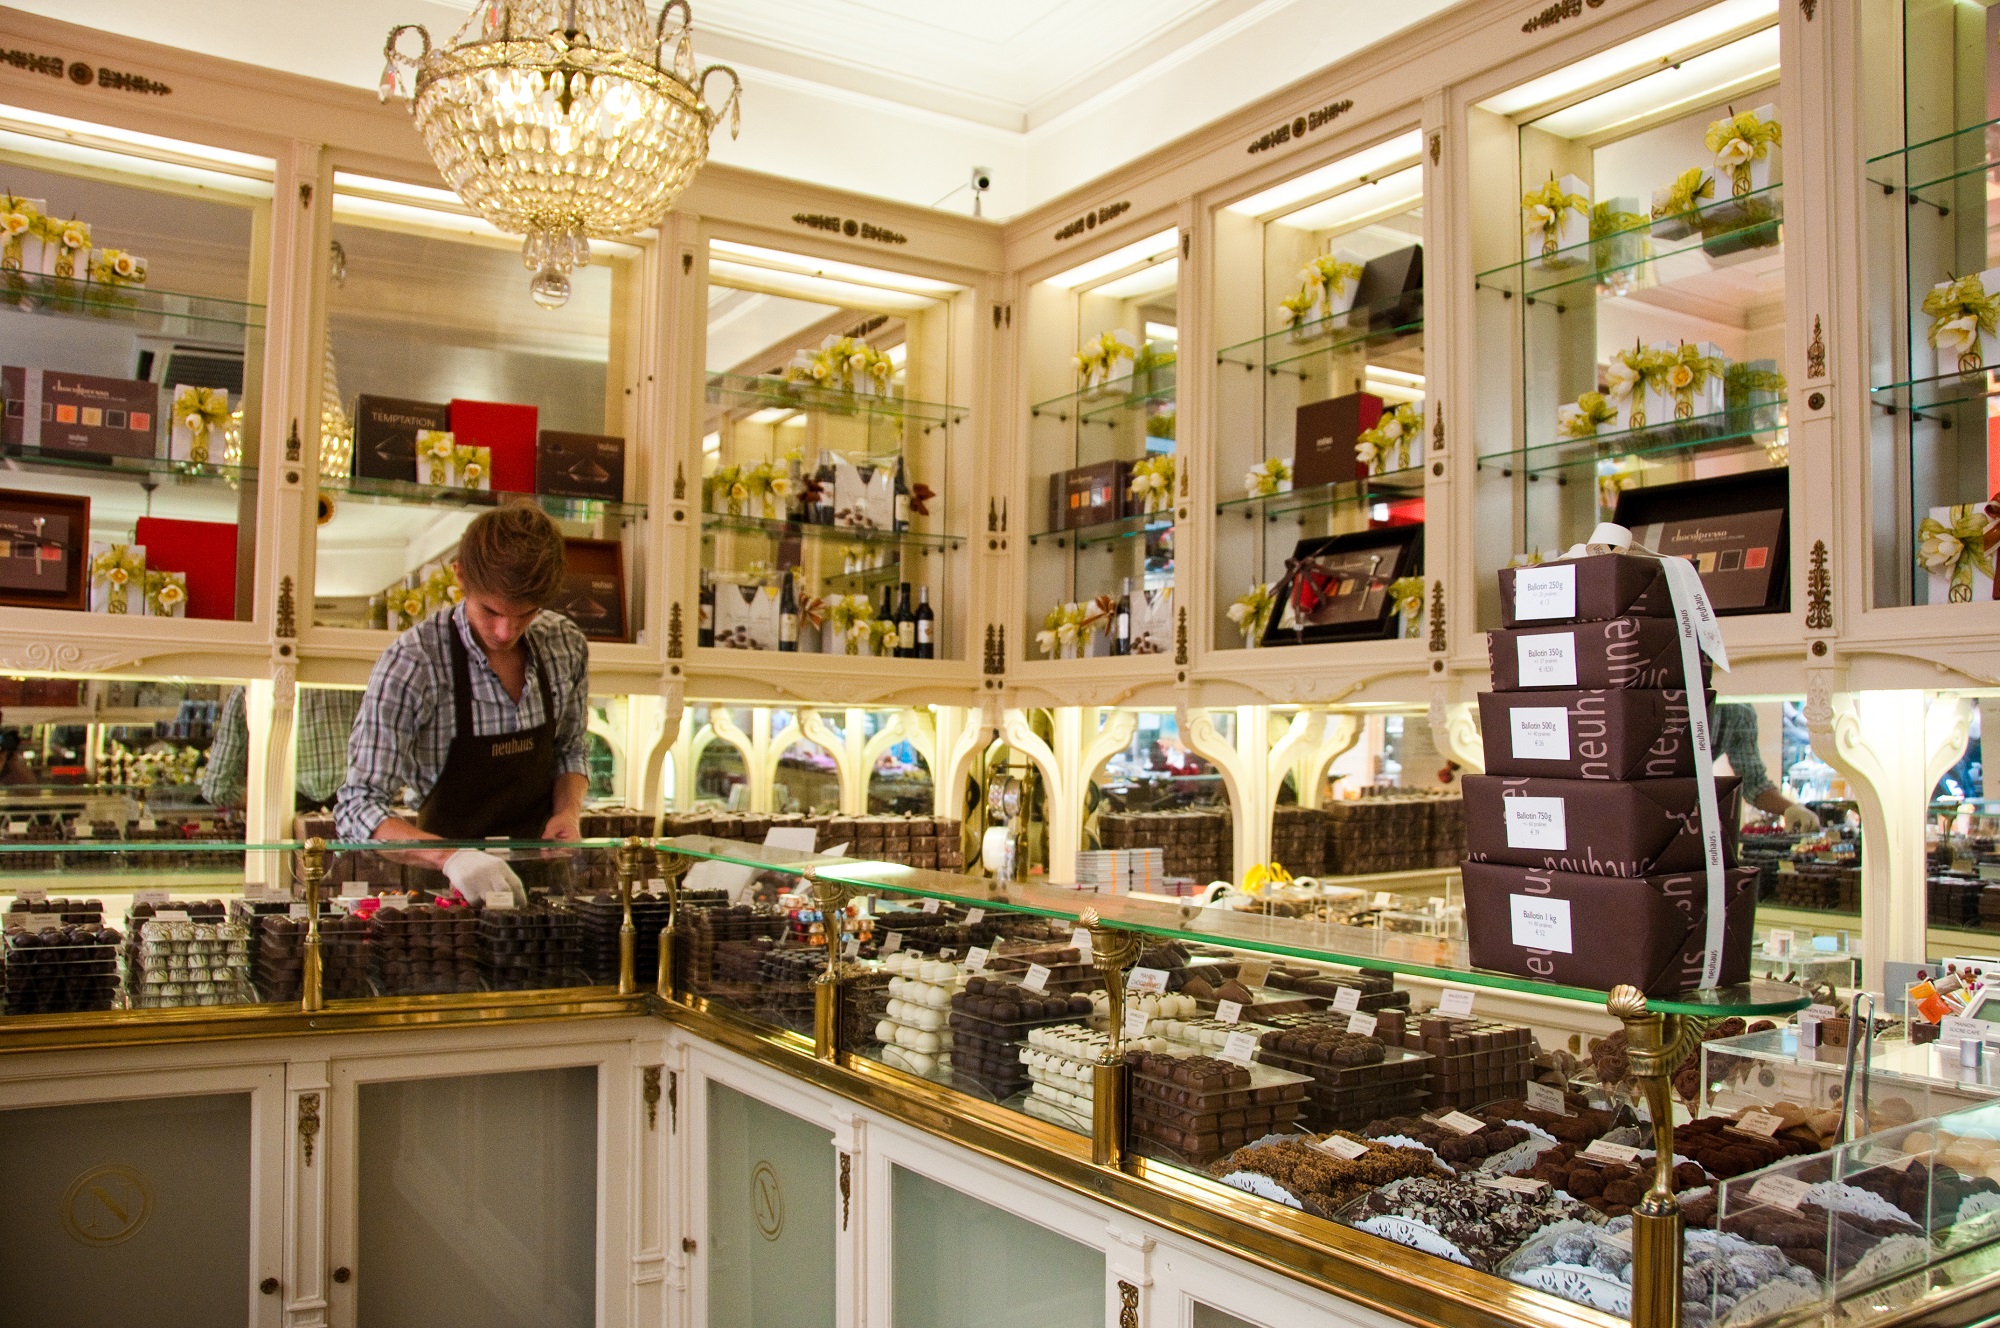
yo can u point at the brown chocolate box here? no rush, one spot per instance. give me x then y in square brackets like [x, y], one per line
[1601, 827]
[1088, 495]
[1623, 652]
[80, 414]
[1593, 589]
[1601, 931]
[580, 465]
[1614, 733]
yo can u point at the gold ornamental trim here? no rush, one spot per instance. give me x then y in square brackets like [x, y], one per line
[308, 1124]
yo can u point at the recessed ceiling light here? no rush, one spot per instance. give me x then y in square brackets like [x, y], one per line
[1348, 171]
[1659, 47]
[1139, 251]
[1701, 79]
[807, 265]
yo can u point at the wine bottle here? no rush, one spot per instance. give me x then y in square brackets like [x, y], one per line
[823, 509]
[926, 625]
[906, 626]
[788, 616]
[1121, 622]
[902, 516]
[887, 614]
[704, 633]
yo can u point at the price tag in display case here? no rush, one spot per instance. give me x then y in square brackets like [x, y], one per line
[164, 915]
[1786, 1192]
[974, 916]
[1343, 1147]
[499, 899]
[1253, 972]
[1462, 1123]
[1037, 979]
[299, 911]
[930, 906]
[1228, 1012]
[1361, 1022]
[1541, 1097]
[1240, 1047]
[1514, 1185]
[975, 959]
[1347, 1000]
[1136, 1023]
[1455, 1002]
[1760, 1123]
[1080, 939]
[892, 943]
[1601, 1151]
[1151, 981]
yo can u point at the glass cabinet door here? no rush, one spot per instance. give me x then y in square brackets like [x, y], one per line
[771, 1205]
[957, 1262]
[1102, 348]
[832, 486]
[1935, 380]
[1320, 385]
[445, 389]
[1635, 261]
[131, 368]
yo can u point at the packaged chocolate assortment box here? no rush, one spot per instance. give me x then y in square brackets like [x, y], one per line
[1622, 652]
[1589, 589]
[1601, 931]
[1613, 733]
[1641, 827]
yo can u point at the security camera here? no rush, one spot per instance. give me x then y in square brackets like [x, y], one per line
[982, 180]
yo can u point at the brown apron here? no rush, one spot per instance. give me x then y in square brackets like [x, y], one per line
[497, 785]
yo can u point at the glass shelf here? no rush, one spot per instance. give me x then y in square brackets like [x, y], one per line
[1722, 229]
[1938, 391]
[143, 471]
[1946, 159]
[762, 393]
[1091, 405]
[1677, 441]
[1108, 532]
[1352, 330]
[778, 529]
[1388, 486]
[1364, 947]
[167, 313]
[434, 495]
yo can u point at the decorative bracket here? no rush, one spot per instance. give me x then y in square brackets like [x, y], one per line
[649, 1093]
[308, 1124]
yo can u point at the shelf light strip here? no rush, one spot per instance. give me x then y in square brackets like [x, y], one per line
[35, 150]
[371, 198]
[1350, 172]
[130, 142]
[1660, 47]
[1148, 250]
[805, 265]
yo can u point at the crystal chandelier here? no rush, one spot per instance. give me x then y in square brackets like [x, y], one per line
[563, 119]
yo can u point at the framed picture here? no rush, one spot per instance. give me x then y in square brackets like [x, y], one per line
[593, 592]
[1734, 528]
[44, 550]
[1336, 587]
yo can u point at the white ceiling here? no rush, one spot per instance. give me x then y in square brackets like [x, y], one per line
[897, 98]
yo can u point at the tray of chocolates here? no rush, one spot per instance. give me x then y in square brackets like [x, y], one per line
[277, 958]
[601, 916]
[1612, 1188]
[1472, 1060]
[174, 963]
[1304, 1172]
[1201, 1107]
[425, 949]
[989, 1020]
[1067, 970]
[1724, 1150]
[1579, 1122]
[517, 949]
[1355, 1078]
[62, 969]
[1458, 1150]
[26, 914]
[1461, 1220]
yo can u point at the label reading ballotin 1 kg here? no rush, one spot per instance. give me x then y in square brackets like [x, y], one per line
[1540, 923]
[1547, 659]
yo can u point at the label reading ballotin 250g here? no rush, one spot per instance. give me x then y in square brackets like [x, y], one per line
[1542, 593]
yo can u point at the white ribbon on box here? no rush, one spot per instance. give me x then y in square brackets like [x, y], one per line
[1700, 635]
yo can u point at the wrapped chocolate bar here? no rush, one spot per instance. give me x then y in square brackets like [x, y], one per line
[1605, 827]
[1615, 733]
[1623, 652]
[1532, 922]
[1593, 588]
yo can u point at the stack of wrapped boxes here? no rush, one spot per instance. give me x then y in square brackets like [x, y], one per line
[1585, 862]
[1193, 844]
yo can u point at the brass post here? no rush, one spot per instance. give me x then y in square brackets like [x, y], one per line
[1113, 953]
[828, 1025]
[670, 867]
[1658, 1043]
[309, 978]
[628, 935]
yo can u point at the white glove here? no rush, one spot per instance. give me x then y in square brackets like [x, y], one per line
[475, 872]
[1800, 819]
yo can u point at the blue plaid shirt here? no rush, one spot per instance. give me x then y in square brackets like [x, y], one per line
[404, 731]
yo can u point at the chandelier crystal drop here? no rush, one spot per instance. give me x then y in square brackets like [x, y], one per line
[561, 120]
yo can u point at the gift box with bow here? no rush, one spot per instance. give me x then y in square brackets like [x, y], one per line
[166, 594]
[1965, 323]
[1676, 206]
[201, 416]
[1688, 384]
[1556, 218]
[1956, 547]
[436, 449]
[65, 248]
[20, 233]
[117, 578]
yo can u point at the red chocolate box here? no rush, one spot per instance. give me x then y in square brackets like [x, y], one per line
[1624, 652]
[1617, 733]
[1600, 827]
[1601, 931]
[1593, 589]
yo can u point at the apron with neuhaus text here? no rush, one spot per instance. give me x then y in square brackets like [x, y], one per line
[496, 784]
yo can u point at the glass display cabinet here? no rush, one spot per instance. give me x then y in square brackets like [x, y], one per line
[444, 390]
[834, 485]
[1931, 282]
[132, 320]
[1320, 390]
[1101, 368]
[1628, 234]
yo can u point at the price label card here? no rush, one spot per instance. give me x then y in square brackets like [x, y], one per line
[1228, 1012]
[851, 947]
[1080, 938]
[893, 943]
[170, 915]
[1547, 660]
[1820, 1012]
[1536, 823]
[1957, 1028]
[1253, 972]
[1541, 1097]
[499, 899]
[146, 825]
[975, 959]
[298, 911]
[1514, 1184]
[1600, 1151]
[1779, 946]
[1782, 1191]
[42, 896]
[1617, 1239]
[1761, 1123]
[1149, 980]
[1361, 1022]
[1344, 1147]
[153, 897]
[1037, 979]
[1136, 1022]
[1455, 1002]
[17, 827]
[354, 889]
[930, 906]
[1461, 1123]
[1542, 593]
[1384, 899]
[1540, 733]
[36, 922]
[402, 901]
[81, 829]
[1240, 1047]
[1347, 1000]
[974, 916]
[1884, 1156]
